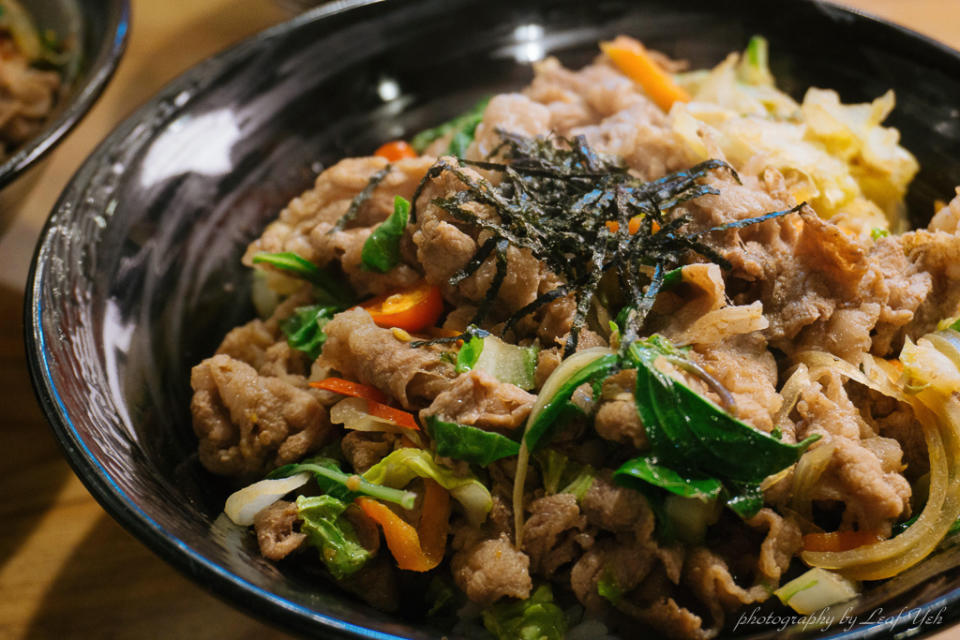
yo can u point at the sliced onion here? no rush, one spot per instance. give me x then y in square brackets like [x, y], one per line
[810, 468]
[795, 385]
[243, 505]
[821, 362]
[352, 414]
[550, 387]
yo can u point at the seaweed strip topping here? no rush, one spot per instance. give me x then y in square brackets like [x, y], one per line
[556, 198]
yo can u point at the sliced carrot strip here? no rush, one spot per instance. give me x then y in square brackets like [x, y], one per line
[349, 388]
[399, 417]
[839, 540]
[633, 60]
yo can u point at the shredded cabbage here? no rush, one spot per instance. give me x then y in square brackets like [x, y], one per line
[835, 156]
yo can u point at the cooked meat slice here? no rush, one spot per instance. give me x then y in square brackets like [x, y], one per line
[363, 449]
[624, 561]
[511, 112]
[476, 398]
[248, 343]
[669, 618]
[330, 198]
[376, 584]
[492, 569]
[709, 578]
[784, 539]
[275, 530]
[549, 534]
[617, 418]
[618, 509]
[362, 351]
[248, 424]
[745, 368]
[864, 474]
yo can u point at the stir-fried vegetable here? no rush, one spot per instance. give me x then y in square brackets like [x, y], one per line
[329, 291]
[344, 486]
[403, 465]
[243, 505]
[633, 60]
[332, 534]
[562, 475]
[414, 549]
[381, 250]
[304, 328]
[695, 445]
[350, 388]
[839, 540]
[815, 590]
[412, 309]
[361, 414]
[536, 618]
[463, 442]
[463, 128]
[506, 362]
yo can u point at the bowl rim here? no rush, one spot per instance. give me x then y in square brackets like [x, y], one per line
[80, 99]
[217, 580]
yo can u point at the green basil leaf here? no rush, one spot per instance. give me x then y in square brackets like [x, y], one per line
[546, 423]
[646, 469]
[464, 126]
[381, 251]
[304, 329]
[689, 432]
[332, 534]
[330, 289]
[746, 500]
[463, 442]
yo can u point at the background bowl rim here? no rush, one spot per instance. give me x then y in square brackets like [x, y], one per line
[229, 587]
[79, 99]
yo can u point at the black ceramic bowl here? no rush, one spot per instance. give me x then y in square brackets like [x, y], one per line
[97, 30]
[137, 275]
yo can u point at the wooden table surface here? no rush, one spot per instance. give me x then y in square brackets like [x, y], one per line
[67, 570]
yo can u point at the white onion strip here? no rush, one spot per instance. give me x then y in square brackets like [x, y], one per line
[243, 505]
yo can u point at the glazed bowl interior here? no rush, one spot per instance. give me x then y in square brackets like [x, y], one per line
[137, 276]
[95, 32]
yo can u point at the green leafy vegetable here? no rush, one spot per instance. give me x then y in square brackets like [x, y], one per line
[697, 447]
[647, 470]
[304, 329]
[463, 442]
[403, 465]
[381, 251]
[330, 290]
[332, 534]
[745, 500]
[546, 422]
[562, 475]
[876, 233]
[506, 362]
[463, 127]
[343, 486]
[536, 618]
[688, 431]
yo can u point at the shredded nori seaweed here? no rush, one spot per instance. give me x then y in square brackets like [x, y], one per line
[555, 198]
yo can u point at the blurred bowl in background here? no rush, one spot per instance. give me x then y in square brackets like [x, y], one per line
[97, 30]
